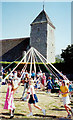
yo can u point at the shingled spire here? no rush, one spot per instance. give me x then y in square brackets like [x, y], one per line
[43, 17]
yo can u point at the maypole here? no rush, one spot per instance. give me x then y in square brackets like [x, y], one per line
[42, 61]
[51, 65]
[25, 66]
[34, 61]
[31, 53]
[18, 63]
[31, 63]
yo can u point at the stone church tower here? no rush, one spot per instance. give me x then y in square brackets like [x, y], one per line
[42, 36]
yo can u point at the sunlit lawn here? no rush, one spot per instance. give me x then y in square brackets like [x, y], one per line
[52, 103]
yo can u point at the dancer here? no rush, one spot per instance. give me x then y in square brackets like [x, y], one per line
[33, 98]
[64, 91]
[9, 104]
[33, 74]
[43, 80]
[70, 88]
[0, 81]
[26, 84]
[49, 85]
[37, 84]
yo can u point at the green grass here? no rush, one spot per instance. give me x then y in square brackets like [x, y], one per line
[46, 101]
[56, 106]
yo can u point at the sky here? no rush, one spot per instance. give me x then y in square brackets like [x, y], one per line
[72, 22]
[17, 17]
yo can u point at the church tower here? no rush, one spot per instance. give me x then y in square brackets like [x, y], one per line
[42, 36]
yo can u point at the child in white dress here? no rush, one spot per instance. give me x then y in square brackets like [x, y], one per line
[33, 98]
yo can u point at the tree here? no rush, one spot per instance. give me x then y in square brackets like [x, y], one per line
[58, 59]
[67, 54]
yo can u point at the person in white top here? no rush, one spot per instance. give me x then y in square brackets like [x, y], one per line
[33, 98]
[17, 80]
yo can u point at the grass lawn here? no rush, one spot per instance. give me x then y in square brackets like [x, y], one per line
[52, 103]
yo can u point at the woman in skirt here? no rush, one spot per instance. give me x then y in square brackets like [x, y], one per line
[64, 91]
[33, 98]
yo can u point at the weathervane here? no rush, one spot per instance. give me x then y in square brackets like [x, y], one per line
[43, 5]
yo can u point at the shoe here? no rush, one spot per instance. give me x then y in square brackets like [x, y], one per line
[11, 117]
[44, 111]
[30, 114]
[69, 116]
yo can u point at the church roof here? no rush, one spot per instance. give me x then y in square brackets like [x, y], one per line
[43, 17]
[11, 49]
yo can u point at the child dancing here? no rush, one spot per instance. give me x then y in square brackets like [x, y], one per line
[9, 104]
[64, 91]
[33, 98]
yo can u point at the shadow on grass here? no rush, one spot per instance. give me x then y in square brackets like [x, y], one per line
[62, 106]
[58, 109]
[51, 116]
[17, 114]
[71, 104]
[41, 93]
[55, 98]
[42, 117]
[36, 118]
[17, 99]
[4, 117]
[37, 115]
[7, 116]
[71, 101]
[3, 92]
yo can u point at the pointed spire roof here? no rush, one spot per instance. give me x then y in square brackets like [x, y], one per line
[41, 18]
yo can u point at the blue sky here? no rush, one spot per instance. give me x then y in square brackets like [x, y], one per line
[17, 17]
[72, 22]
